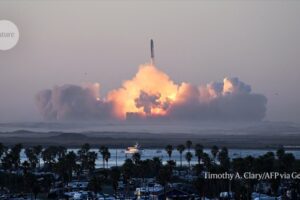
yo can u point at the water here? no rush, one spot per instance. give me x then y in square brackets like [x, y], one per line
[161, 153]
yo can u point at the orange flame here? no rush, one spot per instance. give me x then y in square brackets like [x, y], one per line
[149, 80]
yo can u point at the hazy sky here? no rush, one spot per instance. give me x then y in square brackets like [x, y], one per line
[195, 41]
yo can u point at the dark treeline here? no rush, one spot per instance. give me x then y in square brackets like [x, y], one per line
[62, 166]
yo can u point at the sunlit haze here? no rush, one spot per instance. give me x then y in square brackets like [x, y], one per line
[101, 50]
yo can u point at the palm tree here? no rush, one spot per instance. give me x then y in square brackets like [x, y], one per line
[287, 161]
[37, 151]
[83, 153]
[92, 156]
[280, 153]
[164, 176]
[171, 164]
[26, 166]
[206, 161]
[61, 151]
[214, 151]
[103, 150]
[224, 158]
[31, 156]
[127, 170]
[49, 155]
[84, 149]
[107, 157]
[70, 159]
[169, 150]
[157, 163]
[7, 162]
[15, 153]
[3, 150]
[198, 152]
[189, 145]
[180, 149]
[188, 157]
[136, 158]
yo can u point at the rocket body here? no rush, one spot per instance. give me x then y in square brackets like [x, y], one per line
[152, 51]
[152, 48]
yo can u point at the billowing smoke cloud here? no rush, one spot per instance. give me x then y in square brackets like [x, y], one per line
[152, 94]
[72, 102]
[147, 102]
[231, 100]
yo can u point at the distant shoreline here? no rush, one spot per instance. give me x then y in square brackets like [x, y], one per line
[150, 140]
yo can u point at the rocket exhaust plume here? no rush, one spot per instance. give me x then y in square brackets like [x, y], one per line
[151, 94]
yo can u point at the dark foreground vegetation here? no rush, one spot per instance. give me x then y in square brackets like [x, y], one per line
[55, 173]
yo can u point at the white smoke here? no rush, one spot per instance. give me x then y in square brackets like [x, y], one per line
[230, 100]
[72, 102]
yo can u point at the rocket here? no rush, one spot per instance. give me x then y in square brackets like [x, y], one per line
[152, 48]
[152, 51]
